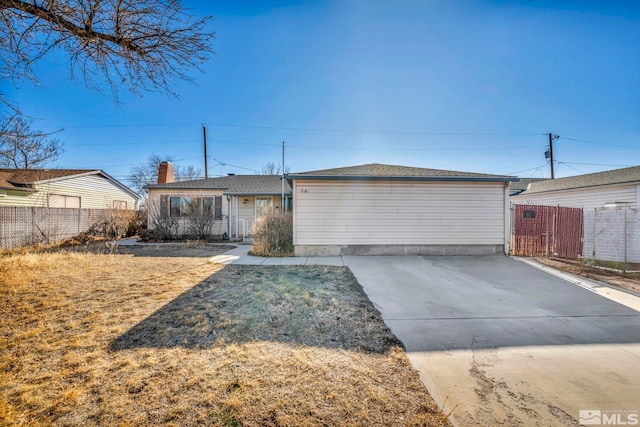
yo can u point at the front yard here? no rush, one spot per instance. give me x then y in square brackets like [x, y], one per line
[160, 336]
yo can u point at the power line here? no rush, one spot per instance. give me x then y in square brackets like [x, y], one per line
[380, 131]
[527, 170]
[233, 166]
[601, 143]
[595, 164]
[133, 143]
[348, 148]
[300, 129]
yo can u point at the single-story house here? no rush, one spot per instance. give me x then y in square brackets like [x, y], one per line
[64, 188]
[615, 188]
[385, 209]
[234, 201]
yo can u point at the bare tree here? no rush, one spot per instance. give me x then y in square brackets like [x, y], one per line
[21, 147]
[270, 168]
[147, 173]
[142, 45]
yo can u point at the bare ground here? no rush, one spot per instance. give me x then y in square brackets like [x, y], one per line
[628, 281]
[160, 336]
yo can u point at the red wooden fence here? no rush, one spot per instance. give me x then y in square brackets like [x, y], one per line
[547, 231]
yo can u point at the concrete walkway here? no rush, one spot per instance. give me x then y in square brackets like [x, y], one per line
[240, 256]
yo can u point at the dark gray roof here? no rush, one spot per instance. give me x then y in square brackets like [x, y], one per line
[382, 171]
[617, 176]
[233, 185]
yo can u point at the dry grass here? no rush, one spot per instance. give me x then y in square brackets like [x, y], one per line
[158, 337]
[628, 281]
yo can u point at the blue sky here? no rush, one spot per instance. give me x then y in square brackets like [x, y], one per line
[461, 85]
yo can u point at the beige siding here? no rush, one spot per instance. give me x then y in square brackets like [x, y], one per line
[153, 207]
[247, 212]
[587, 198]
[15, 198]
[398, 213]
[95, 192]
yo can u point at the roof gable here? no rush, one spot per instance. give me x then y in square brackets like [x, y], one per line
[616, 176]
[27, 179]
[384, 171]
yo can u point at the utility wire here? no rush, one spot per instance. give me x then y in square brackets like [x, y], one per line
[302, 129]
[348, 148]
[601, 143]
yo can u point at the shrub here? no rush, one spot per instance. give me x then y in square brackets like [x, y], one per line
[116, 223]
[273, 235]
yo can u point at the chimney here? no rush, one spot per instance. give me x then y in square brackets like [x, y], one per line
[165, 173]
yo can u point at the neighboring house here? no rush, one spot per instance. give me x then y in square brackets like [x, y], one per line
[519, 186]
[64, 188]
[384, 209]
[234, 201]
[619, 187]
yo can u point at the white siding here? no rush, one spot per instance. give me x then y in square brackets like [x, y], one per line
[398, 213]
[95, 192]
[587, 198]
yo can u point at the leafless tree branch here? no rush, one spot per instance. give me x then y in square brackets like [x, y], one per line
[141, 45]
[21, 147]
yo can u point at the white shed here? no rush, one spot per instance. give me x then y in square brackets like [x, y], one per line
[620, 187]
[378, 209]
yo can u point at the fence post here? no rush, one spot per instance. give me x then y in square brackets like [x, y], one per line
[624, 268]
[595, 217]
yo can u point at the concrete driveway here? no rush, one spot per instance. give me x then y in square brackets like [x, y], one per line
[508, 343]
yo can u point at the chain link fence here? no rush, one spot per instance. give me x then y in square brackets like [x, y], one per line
[25, 226]
[612, 235]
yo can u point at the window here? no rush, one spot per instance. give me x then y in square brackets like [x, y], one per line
[288, 204]
[59, 201]
[194, 206]
[119, 204]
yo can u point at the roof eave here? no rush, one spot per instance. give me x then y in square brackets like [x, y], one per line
[181, 187]
[61, 178]
[19, 189]
[582, 187]
[286, 193]
[404, 178]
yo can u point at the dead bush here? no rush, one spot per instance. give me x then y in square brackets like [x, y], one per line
[273, 235]
[117, 223]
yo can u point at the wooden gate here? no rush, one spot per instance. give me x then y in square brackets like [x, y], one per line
[547, 231]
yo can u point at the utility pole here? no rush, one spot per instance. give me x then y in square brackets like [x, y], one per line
[204, 136]
[282, 204]
[549, 153]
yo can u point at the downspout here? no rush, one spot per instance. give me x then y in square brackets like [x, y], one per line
[229, 213]
[237, 216]
[507, 220]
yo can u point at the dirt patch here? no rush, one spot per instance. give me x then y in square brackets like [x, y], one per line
[628, 281]
[143, 338]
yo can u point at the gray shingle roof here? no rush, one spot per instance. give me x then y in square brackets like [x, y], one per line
[378, 171]
[235, 184]
[616, 176]
[524, 182]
